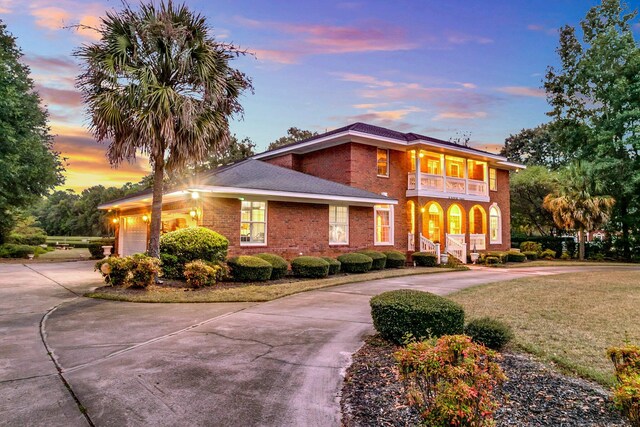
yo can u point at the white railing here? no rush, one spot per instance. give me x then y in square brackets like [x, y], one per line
[411, 181]
[457, 247]
[456, 185]
[429, 247]
[427, 182]
[478, 188]
[411, 242]
[479, 241]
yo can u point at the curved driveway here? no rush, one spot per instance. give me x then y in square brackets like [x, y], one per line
[228, 364]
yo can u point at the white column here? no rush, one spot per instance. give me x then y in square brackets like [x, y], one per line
[443, 170]
[465, 168]
[418, 180]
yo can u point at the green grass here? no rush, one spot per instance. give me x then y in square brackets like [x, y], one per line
[51, 240]
[563, 263]
[248, 293]
[66, 255]
[569, 319]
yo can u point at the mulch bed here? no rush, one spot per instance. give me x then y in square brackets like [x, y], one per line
[534, 395]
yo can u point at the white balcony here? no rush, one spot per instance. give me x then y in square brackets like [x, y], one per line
[443, 186]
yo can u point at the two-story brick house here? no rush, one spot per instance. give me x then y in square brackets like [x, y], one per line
[359, 186]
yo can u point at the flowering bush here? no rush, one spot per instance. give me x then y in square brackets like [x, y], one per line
[135, 270]
[451, 380]
[626, 394]
[199, 273]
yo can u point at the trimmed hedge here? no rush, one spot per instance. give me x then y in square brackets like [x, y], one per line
[395, 259]
[245, 268]
[529, 246]
[95, 248]
[11, 250]
[27, 239]
[379, 259]
[193, 243]
[279, 264]
[531, 256]
[355, 263]
[492, 260]
[489, 332]
[549, 254]
[409, 313]
[547, 242]
[514, 256]
[423, 259]
[310, 266]
[334, 265]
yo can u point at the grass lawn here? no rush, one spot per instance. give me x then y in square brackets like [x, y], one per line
[65, 255]
[248, 293]
[563, 263]
[570, 319]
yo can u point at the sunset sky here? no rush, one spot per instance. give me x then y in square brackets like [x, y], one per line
[432, 67]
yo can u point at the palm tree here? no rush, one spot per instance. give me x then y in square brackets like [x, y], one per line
[158, 84]
[576, 204]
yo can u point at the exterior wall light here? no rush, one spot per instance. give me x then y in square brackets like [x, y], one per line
[145, 218]
[193, 213]
[114, 220]
[195, 195]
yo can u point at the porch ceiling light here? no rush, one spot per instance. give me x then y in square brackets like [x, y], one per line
[145, 218]
[195, 195]
[114, 220]
[422, 210]
[193, 213]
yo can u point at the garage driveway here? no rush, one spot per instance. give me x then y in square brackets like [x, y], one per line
[245, 364]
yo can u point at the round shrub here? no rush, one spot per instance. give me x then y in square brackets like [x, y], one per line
[144, 270]
[379, 259]
[279, 264]
[492, 260]
[334, 265]
[11, 250]
[245, 268]
[355, 263]
[198, 273]
[171, 267]
[531, 247]
[514, 256]
[548, 254]
[531, 256]
[190, 244]
[395, 259]
[489, 332]
[309, 266]
[423, 259]
[406, 312]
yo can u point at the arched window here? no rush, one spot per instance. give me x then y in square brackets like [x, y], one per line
[455, 220]
[495, 225]
[434, 222]
[477, 220]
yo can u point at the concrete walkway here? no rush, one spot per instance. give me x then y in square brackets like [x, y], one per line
[236, 364]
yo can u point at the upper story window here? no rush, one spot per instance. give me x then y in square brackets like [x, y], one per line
[338, 225]
[383, 162]
[454, 166]
[477, 170]
[429, 162]
[383, 217]
[253, 223]
[493, 180]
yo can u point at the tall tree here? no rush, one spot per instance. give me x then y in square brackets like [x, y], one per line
[577, 203]
[534, 147]
[29, 167]
[528, 189]
[236, 151]
[157, 82]
[293, 135]
[595, 96]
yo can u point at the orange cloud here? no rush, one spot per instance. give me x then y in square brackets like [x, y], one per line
[60, 97]
[63, 13]
[390, 115]
[524, 91]
[459, 115]
[51, 18]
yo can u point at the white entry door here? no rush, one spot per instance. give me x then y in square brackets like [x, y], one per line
[134, 235]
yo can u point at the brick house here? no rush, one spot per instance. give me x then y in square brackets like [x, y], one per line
[360, 186]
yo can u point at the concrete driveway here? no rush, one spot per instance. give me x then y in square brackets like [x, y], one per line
[68, 360]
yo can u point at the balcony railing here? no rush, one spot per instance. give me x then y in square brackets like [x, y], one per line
[478, 241]
[441, 184]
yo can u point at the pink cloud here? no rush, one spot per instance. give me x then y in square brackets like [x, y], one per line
[51, 18]
[60, 97]
[68, 13]
[460, 38]
[542, 29]
[523, 91]
[280, 56]
[387, 115]
[458, 115]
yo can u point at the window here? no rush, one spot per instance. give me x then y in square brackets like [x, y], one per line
[455, 220]
[383, 216]
[253, 223]
[383, 162]
[338, 225]
[493, 180]
[455, 167]
[477, 170]
[435, 221]
[495, 225]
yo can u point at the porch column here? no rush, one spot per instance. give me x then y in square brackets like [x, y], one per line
[418, 228]
[418, 180]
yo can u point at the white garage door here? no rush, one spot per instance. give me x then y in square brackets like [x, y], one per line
[134, 235]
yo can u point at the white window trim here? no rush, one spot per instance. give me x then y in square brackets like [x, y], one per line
[388, 163]
[499, 240]
[266, 219]
[347, 228]
[495, 171]
[391, 226]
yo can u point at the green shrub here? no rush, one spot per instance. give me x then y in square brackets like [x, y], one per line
[27, 239]
[451, 381]
[246, 268]
[399, 313]
[11, 250]
[279, 264]
[309, 266]
[565, 256]
[530, 246]
[513, 256]
[395, 259]
[548, 254]
[355, 263]
[114, 270]
[626, 393]
[489, 332]
[200, 273]
[334, 265]
[171, 267]
[492, 260]
[144, 270]
[190, 244]
[95, 248]
[379, 259]
[423, 259]
[531, 256]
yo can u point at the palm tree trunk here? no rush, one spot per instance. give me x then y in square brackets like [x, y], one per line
[156, 206]
[581, 243]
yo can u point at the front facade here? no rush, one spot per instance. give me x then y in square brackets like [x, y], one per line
[353, 188]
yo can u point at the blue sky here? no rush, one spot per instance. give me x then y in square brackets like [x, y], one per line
[434, 67]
